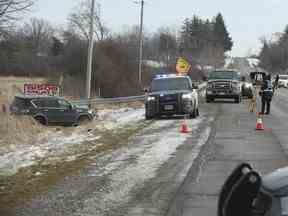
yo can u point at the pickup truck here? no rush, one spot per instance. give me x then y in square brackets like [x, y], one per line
[224, 84]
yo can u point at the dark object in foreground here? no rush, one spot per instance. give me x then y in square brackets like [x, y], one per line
[246, 193]
[50, 110]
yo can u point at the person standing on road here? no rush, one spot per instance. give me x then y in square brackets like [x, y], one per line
[266, 94]
[275, 86]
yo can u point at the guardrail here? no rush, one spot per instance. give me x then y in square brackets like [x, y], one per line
[102, 101]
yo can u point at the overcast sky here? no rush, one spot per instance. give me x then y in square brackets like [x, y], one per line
[246, 20]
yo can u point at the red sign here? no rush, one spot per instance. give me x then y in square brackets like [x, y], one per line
[41, 89]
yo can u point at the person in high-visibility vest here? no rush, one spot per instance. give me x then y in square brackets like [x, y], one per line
[266, 94]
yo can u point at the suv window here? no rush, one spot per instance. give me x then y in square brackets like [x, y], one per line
[64, 104]
[41, 103]
[171, 84]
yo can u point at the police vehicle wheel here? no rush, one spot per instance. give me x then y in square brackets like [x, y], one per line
[148, 116]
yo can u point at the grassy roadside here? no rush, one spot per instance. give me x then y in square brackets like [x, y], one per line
[28, 182]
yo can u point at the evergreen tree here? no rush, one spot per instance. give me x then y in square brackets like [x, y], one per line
[222, 34]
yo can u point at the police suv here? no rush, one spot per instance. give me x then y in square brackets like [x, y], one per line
[171, 95]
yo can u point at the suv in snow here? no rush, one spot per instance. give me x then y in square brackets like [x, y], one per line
[223, 84]
[171, 95]
[50, 109]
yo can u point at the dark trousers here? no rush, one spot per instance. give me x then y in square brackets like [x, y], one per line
[265, 104]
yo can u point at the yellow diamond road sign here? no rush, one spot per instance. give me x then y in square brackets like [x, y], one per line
[182, 66]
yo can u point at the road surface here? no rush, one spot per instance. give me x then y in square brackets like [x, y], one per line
[158, 171]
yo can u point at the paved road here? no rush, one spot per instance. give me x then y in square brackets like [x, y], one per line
[161, 172]
[235, 141]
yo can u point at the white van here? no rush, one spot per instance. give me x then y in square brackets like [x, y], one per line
[283, 81]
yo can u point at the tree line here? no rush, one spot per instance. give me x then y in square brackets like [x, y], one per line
[274, 53]
[38, 48]
[206, 40]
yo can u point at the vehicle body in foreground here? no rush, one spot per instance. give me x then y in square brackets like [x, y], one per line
[223, 84]
[246, 192]
[171, 95]
[50, 110]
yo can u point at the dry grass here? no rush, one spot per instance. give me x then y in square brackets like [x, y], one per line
[15, 130]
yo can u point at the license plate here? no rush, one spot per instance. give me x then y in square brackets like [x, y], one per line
[168, 107]
[221, 93]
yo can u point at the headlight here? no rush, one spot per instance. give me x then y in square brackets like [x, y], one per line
[90, 112]
[150, 98]
[210, 85]
[248, 85]
[186, 96]
[235, 85]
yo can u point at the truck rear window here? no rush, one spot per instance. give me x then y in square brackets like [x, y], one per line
[224, 75]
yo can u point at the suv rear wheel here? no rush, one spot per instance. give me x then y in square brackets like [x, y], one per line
[41, 120]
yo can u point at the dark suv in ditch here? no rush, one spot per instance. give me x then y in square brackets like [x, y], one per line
[171, 95]
[50, 109]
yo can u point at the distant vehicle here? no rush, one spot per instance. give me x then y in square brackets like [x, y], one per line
[50, 109]
[245, 192]
[171, 95]
[283, 81]
[257, 77]
[224, 84]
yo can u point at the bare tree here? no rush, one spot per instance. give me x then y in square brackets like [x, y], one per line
[38, 35]
[80, 21]
[11, 11]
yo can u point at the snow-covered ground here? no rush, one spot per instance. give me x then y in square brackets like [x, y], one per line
[133, 165]
[56, 143]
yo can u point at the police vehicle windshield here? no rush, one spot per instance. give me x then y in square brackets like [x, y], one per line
[224, 75]
[168, 84]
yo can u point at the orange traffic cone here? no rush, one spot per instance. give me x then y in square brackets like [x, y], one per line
[259, 123]
[184, 127]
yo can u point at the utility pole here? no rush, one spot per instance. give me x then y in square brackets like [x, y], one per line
[141, 44]
[90, 53]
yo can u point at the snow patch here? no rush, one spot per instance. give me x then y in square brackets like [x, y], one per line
[55, 143]
[132, 167]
